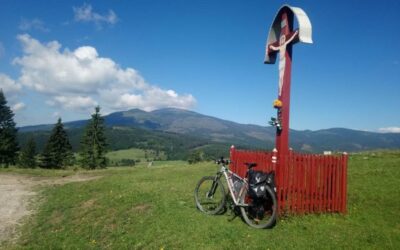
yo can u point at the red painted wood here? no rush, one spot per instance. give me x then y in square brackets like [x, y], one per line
[333, 195]
[345, 160]
[323, 185]
[337, 165]
[309, 184]
[326, 165]
[340, 180]
[330, 183]
[312, 183]
[317, 184]
[301, 184]
[282, 136]
[305, 183]
[286, 182]
[294, 183]
[340, 186]
[334, 184]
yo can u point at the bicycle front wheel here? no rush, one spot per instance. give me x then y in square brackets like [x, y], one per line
[210, 195]
[260, 213]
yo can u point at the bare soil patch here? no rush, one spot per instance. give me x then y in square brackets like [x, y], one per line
[15, 193]
[142, 208]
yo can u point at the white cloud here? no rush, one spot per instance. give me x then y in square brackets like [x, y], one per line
[80, 79]
[56, 114]
[11, 90]
[86, 14]
[389, 130]
[18, 106]
[153, 98]
[82, 103]
[35, 23]
[8, 85]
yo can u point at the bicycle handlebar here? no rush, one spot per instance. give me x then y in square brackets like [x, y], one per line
[222, 161]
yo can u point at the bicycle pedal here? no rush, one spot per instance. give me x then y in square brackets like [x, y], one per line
[231, 219]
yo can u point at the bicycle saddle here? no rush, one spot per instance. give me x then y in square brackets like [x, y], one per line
[250, 164]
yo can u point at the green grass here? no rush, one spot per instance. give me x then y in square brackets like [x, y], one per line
[134, 154]
[153, 208]
[40, 171]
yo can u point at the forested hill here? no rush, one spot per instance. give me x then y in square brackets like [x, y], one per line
[170, 126]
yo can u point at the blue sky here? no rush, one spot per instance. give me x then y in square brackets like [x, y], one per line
[61, 58]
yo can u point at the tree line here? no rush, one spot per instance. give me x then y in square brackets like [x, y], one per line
[57, 153]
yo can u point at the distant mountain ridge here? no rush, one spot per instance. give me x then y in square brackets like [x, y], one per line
[215, 130]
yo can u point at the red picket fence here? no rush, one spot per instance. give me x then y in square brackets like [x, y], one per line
[305, 184]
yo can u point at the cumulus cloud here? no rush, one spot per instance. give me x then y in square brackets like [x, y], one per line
[18, 106]
[56, 114]
[11, 90]
[151, 99]
[85, 13]
[80, 79]
[82, 103]
[389, 130]
[8, 85]
[35, 23]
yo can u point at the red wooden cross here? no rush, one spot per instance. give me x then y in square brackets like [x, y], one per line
[281, 38]
[284, 46]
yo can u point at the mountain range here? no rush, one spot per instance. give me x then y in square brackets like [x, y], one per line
[191, 129]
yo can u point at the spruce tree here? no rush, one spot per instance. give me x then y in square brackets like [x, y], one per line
[27, 159]
[8, 134]
[93, 143]
[57, 152]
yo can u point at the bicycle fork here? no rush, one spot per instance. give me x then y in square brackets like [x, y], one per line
[213, 188]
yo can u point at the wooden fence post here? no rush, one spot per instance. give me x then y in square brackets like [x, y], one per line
[278, 178]
[232, 165]
[344, 179]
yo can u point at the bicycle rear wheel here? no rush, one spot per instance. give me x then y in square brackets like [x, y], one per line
[210, 195]
[260, 214]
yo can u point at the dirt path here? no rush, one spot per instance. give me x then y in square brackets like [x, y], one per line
[15, 193]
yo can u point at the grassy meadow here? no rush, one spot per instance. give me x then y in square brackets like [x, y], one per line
[153, 208]
[134, 154]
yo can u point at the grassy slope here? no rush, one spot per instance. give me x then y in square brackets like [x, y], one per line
[133, 154]
[153, 208]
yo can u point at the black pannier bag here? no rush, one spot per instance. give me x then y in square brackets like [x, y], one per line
[257, 182]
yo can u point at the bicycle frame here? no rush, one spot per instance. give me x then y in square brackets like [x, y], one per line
[228, 177]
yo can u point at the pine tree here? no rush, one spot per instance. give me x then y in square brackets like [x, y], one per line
[93, 144]
[57, 152]
[27, 159]
[8, 134]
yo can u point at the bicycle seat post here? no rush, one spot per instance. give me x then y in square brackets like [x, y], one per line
[250, 165]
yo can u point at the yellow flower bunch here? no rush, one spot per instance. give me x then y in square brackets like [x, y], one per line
[277, 104]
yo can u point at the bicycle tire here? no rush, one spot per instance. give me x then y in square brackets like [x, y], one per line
[269, 211]
[212, 205]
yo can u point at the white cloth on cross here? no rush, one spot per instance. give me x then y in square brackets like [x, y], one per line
[282, 58]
